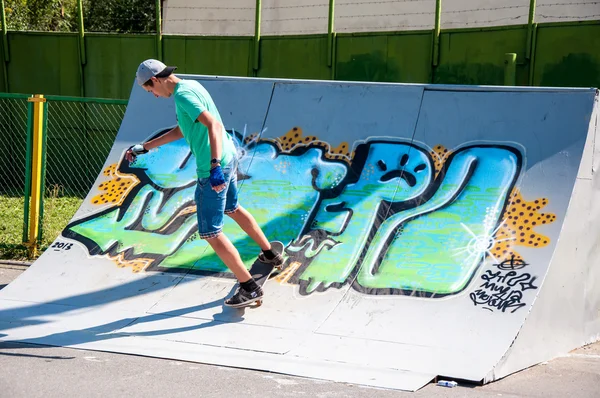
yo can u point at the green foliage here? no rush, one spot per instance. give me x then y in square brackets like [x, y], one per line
[42, 15]
[122, 16]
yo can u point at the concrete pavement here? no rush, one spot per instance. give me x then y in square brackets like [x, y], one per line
[30, 371]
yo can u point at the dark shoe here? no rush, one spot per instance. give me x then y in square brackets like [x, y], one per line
[243, 298]
[277, 261]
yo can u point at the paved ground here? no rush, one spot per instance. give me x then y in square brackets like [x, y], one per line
[36, 371]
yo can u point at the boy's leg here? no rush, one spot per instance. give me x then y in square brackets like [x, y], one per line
[210, 207]
[247, 222]
[249, 291]
[230, 256]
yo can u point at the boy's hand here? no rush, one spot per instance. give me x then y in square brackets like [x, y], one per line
[133, 151]
[217, 179]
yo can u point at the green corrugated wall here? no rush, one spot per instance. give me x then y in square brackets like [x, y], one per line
[566, 54]
[110, 62]
[300, 57]
[42, 63]
[477, 56]
[210, 55]
[403, 57]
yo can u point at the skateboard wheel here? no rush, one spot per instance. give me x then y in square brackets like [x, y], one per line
[259, 303]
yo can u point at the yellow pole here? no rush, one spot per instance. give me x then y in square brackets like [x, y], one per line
[36, 171]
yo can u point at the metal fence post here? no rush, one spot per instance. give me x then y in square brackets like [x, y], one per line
[510, 69]
[5, 52]
[81, 31]
[28, 156]
[4, 32]
[159, 51]
[531, 39]
[82, 57]
[43, 171]
[37, 168]
[530, 22]
[532, 57]
[256, 63]
[331, 38]
[436, 33]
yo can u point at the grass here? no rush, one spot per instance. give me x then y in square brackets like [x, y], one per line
[11, 229]
[58, 211]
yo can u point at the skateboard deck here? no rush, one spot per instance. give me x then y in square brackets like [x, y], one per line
[261, 271]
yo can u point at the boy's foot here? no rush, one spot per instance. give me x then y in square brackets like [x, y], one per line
[271, 257]
[243, 298]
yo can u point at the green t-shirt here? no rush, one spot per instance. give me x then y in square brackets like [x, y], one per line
[191, 99]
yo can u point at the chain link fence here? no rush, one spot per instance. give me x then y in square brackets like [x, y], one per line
[13, 151]
[79, 135]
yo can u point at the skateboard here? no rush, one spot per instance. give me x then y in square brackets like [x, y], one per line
[261, 271]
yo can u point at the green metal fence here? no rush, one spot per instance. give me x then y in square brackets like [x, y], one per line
[78, 136]
[13, 150]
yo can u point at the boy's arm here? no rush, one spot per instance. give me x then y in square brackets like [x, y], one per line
[215, 134]
[215, 137]
[170, 136]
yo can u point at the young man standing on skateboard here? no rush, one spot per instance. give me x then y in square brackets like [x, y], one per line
[199, 122]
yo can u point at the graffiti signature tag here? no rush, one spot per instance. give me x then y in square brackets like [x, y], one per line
[502, 290]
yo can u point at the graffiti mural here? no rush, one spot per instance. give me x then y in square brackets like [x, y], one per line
[385, 216]
[401, 238]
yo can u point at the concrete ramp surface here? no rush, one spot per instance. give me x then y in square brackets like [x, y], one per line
[429, 230]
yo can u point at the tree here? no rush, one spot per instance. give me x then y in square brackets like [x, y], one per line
[41, 15]
[122, 16]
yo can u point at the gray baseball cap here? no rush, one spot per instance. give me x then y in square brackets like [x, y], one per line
[152, 68]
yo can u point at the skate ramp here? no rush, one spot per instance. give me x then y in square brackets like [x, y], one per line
[429, 230]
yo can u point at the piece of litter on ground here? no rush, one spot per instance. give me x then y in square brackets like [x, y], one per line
[447, 383]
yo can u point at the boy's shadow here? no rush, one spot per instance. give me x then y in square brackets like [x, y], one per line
[111, 330]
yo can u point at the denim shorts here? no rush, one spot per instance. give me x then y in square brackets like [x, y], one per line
[211, 206]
